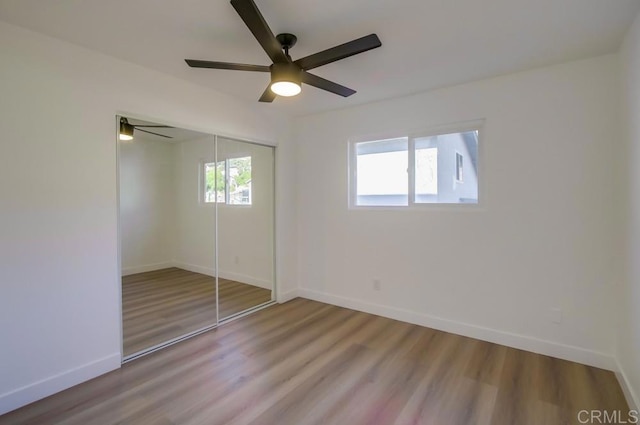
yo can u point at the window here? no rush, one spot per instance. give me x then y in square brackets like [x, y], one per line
[441, 168]
[228, 181]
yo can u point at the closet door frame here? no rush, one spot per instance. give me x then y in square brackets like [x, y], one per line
[215, 135]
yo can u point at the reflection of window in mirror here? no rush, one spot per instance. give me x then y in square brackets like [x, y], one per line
[239, 187]
[228, 181]
[214, 182]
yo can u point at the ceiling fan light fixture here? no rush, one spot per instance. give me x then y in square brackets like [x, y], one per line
[126, 130]
[287, 75]
[286, 88]
[286, 79]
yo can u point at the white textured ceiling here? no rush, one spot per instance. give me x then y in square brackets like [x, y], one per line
[425, 43]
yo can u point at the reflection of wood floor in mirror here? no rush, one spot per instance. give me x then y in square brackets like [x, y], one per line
[164, 304]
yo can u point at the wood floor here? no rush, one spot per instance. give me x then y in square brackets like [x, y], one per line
[164, 304]
[305, 362]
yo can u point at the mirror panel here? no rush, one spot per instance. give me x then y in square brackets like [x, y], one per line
[167, 237]
[196, 232]
[245, 225]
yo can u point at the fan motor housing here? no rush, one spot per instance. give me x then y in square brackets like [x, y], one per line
[285, 72]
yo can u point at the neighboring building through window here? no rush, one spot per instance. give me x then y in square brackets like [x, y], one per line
[434, 169]
[228, 181]
[459, 163]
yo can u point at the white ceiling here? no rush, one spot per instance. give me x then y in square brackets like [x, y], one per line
[425, 43]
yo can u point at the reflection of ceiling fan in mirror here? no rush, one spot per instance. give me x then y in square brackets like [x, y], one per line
[288, 75]
[126, 129]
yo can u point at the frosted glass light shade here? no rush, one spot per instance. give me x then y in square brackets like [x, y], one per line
[286, 88]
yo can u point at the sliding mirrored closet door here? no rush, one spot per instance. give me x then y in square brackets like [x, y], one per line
[196, 232]
[167, 235]
[245, 228]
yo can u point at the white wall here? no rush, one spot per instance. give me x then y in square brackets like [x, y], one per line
[59, 308]
[147, 205]
[286, 230]
[628, 342]
[544, 239]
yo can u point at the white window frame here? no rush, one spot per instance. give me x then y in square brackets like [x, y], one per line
[463, 127]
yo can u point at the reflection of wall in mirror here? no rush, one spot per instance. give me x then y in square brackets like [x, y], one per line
[147, 205]
[245, 233]
[165, 221]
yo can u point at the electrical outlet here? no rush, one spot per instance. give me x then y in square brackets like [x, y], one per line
[377, 285]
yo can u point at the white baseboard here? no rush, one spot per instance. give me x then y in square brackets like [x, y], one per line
[238, 277]
[287, 296]
[38, 390]
[632, 398]
[195, 268]
[146, 268]
[522, 342]
[249, 280]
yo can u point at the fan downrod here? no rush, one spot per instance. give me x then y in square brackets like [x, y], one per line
[287, 41]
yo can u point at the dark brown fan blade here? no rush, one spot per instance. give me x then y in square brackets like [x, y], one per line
[253, 19]
[155, 134]
[342, 51]
[268, 95]
[194, 63]
[152, 126]
[321, 83]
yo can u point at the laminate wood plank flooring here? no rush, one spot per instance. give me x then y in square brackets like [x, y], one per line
[237, 296]
[164, 304]
[305, 362]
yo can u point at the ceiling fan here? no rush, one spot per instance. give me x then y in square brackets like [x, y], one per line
[288, 75]
[126, 129]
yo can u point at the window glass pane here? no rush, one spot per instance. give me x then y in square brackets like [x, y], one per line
[446, 168]
[240, 181]
[427, 172]
[381, 173]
